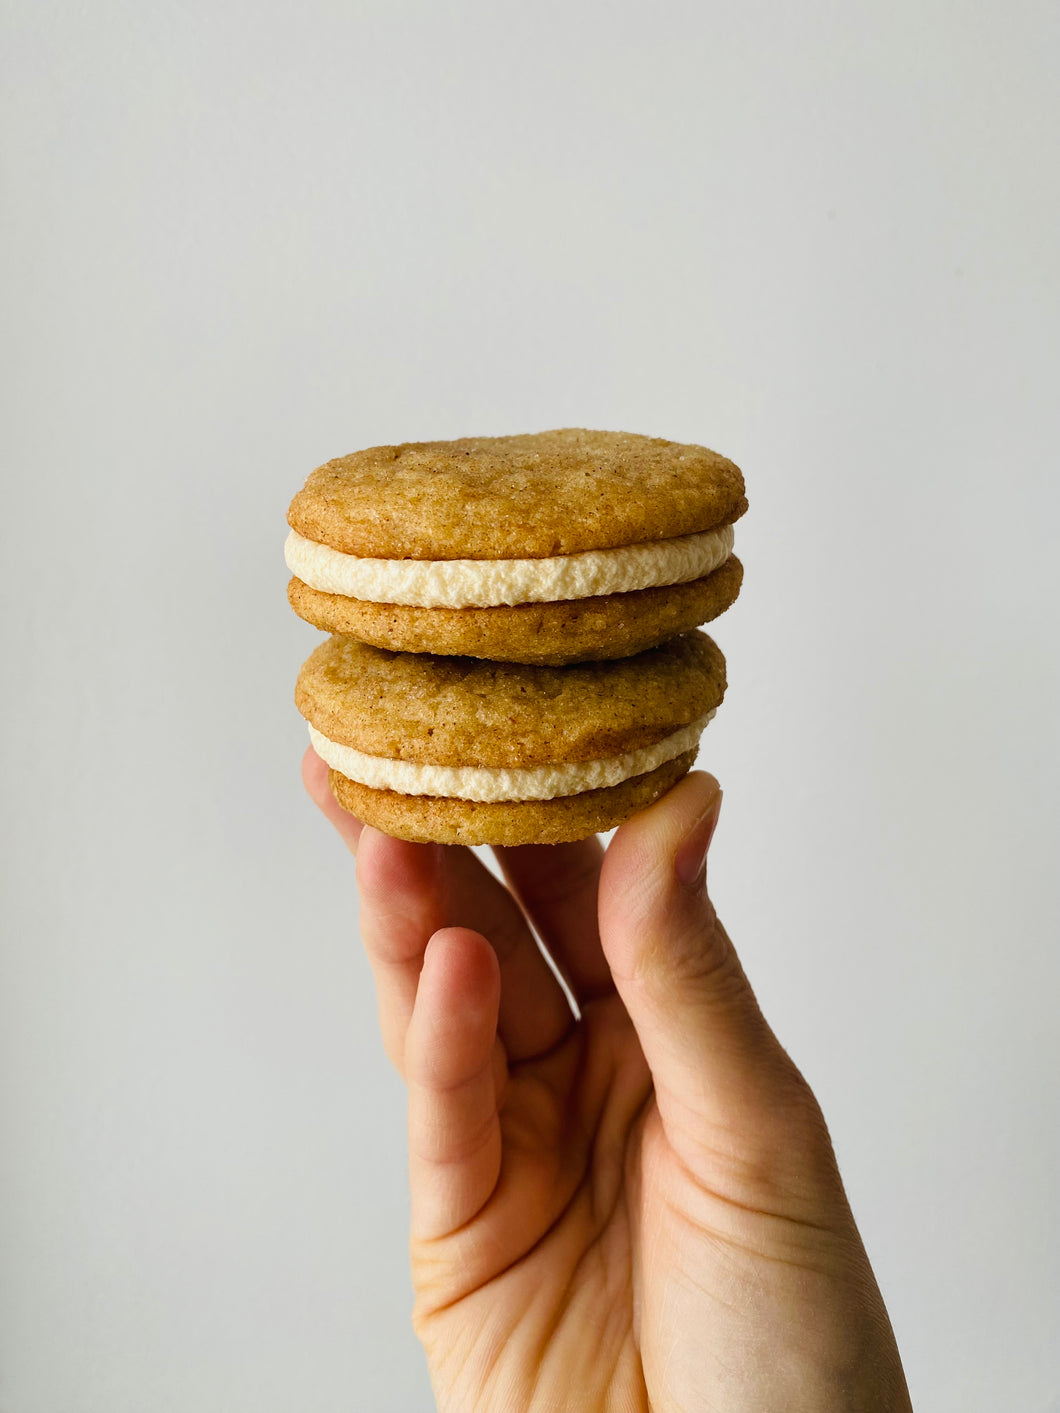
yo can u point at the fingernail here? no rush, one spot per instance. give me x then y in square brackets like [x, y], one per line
[690, 862]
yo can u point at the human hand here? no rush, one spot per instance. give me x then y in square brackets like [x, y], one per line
[635, 1209]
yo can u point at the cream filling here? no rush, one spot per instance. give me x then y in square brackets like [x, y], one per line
[487, 583]
[473, 782]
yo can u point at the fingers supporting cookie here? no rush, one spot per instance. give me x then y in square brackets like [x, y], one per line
[557, 888]
[407, 892]
[534, 1013]
[402, 900]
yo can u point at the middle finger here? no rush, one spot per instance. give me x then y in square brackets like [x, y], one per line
[409, 891]
[557, 886]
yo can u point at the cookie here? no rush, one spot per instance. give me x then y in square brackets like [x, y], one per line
[429, 819]
[549, 548]
[580, 630]
[463, 751]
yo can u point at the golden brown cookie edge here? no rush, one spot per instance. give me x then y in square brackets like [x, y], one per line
[539, 634]
[436, 710]
[433, 820]
[524, 496]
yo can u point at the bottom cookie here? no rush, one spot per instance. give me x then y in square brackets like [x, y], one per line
[542, 634]
[432, 819]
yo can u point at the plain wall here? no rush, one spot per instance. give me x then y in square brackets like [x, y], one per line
[243, 238]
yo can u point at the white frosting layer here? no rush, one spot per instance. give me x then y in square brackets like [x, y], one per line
[470, 782]
[486, 583]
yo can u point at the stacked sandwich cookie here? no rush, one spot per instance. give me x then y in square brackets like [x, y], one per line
[512, 658]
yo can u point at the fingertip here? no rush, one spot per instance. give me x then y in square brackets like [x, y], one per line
[462, 967]
[454, 1021]
[680, 809]
[662, 838]
[373, 843]
[391, 869]
[690, 857]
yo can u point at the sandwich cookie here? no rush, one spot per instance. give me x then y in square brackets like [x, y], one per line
[456, 750]
[550, 548]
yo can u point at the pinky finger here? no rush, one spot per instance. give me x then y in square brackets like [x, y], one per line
[454, 1129]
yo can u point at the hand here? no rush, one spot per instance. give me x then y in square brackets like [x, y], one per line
[638, 1208]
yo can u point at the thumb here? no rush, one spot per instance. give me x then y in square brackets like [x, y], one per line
[713, 1058]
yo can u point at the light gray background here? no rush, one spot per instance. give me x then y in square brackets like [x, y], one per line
[242, 238]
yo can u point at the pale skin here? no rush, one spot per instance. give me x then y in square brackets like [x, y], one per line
[635, 1209]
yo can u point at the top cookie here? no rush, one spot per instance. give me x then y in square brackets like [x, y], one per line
[530, 496]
